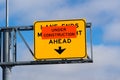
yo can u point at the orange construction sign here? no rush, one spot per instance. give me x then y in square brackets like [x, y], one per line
[59, 32]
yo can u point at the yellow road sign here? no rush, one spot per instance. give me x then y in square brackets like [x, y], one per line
[60, 39]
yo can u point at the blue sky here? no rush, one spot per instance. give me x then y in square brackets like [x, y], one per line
[105, 18]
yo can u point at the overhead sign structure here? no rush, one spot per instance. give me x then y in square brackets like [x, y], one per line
[60, 39]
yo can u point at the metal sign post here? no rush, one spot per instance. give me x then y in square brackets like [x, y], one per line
[6, 50]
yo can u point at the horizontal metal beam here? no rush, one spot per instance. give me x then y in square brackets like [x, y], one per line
[88, 25]
[21, 63]
[25, 28]
[20, 28]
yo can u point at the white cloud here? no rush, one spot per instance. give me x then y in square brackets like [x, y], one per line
[97, 12]
[105, 67]
[112, 32]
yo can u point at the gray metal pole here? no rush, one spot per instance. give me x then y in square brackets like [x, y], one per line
[6, 50]
[6, 69]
